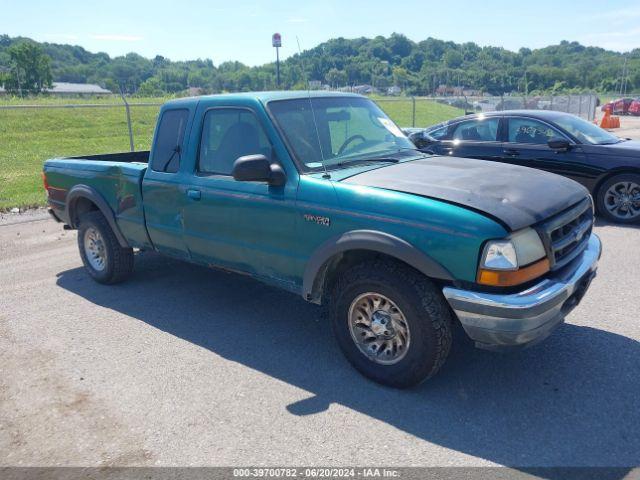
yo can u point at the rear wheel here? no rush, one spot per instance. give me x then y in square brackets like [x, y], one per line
[103, 257]
[619, 198]
[391, 322]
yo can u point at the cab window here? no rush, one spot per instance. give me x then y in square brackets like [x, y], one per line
[227, 134]
[478, 130]
[529, 130]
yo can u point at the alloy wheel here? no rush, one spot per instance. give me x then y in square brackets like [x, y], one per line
[379, 328]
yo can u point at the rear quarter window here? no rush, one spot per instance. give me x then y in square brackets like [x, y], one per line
[478, 129]
[441, 133]
[168, 142]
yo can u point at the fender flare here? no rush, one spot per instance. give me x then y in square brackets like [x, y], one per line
[91, 194]
[371, 240]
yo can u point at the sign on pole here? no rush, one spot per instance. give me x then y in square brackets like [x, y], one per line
[276, 41]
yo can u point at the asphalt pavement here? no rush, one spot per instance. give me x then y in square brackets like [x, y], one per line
[187, 366]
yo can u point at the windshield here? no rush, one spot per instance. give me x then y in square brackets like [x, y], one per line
[333, 132]
[584, 131]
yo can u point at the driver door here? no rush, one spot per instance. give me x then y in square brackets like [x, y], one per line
[526, 145]
[244, 226]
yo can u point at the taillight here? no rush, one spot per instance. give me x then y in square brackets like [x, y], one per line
[44, 181]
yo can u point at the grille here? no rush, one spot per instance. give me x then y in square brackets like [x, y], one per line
[566, 235]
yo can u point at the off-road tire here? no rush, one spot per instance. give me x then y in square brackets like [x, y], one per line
[424, 308]
[119, 261]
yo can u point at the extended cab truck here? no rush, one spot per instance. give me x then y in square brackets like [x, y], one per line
[321, 194]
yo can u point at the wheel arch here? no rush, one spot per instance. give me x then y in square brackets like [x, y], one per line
[357, 245]
[613, 173]
[83, 198]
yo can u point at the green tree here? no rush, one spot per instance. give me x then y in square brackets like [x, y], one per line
[453, 59]
[566, 67]
[400, 77]
[151, 87]
[336, 78]
[30, 68]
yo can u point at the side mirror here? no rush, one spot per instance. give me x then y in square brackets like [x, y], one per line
[421, 139]
[258, 168]
[559, 144]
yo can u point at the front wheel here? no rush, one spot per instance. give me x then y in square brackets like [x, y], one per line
[618, 198]
[391, 323]
[103, 257]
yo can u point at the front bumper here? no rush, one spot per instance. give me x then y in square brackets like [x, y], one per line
[496, 321]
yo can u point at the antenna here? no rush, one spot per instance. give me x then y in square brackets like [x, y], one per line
[313, 113]
[304, 70]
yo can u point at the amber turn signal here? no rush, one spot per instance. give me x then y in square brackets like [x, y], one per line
[509, 278]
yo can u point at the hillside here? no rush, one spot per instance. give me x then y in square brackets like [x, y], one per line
[418, 68]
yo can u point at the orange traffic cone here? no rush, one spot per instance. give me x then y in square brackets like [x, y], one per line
[609, 121]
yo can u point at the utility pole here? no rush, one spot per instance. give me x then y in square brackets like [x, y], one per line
[623, 77]
[276, 41]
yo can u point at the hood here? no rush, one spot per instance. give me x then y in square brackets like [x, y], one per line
[628, 148]
[516, 196]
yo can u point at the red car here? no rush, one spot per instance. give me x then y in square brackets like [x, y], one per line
[618, 107]
[634, 108]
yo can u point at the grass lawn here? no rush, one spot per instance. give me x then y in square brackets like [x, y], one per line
[30, 136]
[428, 112]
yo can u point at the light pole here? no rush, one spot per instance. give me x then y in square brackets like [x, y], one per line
[276, 41]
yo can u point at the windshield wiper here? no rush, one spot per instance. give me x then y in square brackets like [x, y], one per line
[176, 150]
[366, 160]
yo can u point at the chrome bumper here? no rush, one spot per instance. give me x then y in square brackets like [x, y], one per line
[495, 320]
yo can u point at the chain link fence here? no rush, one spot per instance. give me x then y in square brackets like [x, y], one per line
[32, 133]
[583, 106]
[127, 125]
[46, 128]
[424, 111]
[134, 120]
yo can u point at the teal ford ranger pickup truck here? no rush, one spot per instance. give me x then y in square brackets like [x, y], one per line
[322, 194]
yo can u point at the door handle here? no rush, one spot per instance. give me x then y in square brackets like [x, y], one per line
[193, 194]
[511, 152]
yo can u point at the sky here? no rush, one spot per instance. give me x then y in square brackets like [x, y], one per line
[241, 29]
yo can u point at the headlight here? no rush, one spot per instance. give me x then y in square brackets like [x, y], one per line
[500, 255]
[528, 246]
[513, 260]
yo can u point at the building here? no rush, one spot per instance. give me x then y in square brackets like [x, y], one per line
[66, 89]
[363, 89]
[394, 90]
[445, 90]
[76, 89]
[195, 91]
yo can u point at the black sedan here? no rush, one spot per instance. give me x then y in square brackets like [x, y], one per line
[557, 142]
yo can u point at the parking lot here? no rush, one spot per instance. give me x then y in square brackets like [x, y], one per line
[629, 126]
[188, 366]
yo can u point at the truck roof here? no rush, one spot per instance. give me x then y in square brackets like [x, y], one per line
[265, 97]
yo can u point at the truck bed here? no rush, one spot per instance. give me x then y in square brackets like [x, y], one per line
[141, 156]
[116, 177]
